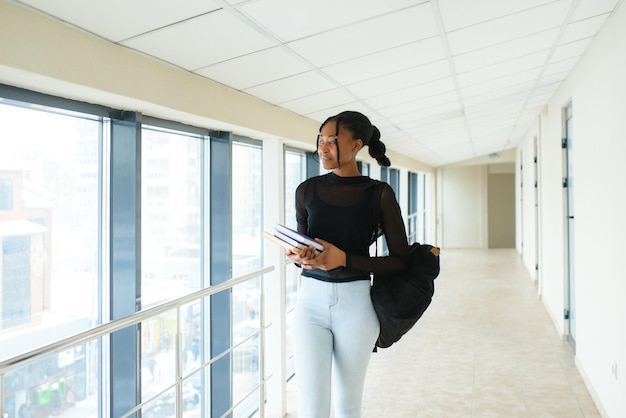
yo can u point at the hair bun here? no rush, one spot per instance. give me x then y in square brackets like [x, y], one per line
[377, 149]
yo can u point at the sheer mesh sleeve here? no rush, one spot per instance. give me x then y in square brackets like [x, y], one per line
[395, 234]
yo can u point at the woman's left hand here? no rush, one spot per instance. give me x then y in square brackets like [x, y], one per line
[332, 257]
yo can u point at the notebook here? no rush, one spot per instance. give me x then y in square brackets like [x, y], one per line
[291, 240]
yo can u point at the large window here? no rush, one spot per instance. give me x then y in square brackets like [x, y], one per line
[247, 236]
[171, 253]
[418, 217]
[50, 240]
[295, 173]
[171, 182]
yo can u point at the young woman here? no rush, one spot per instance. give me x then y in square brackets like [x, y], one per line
[335, 326]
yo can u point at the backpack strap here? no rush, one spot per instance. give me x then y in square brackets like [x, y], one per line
[377, 231]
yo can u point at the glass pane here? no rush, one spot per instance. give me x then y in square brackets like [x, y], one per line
[158, 358]
[164, 406]
[49, 254]
[62, 385]
[295, 173]
[171, 197]
[247, 201]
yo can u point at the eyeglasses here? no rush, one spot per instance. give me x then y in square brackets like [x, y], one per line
[330, 140]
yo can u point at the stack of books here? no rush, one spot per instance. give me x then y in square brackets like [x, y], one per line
[291, 240]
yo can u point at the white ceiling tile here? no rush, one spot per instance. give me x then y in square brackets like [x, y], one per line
[572, 49]
[441, 126]
[201, 41]
[560, 66]
[510, 94]
[409, 94]
[497, 120]
[518, 81]
[508, 28]
[447, 114]
[459, 14]
[487, 110]
[364, 38]
[496, 99]
[401, 79]
[536, 102]
[548, 88]
[505, 51]
[489, 72]
[582, 29]
[299, 19]
[388, 61]
[291, 88]
[322, 115]
[269, 65]
[551, 79]
[117, 20]
[455, 152]
[489, 145]
[385, 59]
[589, 8]
[419, 104]
[319, 101]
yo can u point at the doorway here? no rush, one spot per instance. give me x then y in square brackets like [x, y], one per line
[568, 185]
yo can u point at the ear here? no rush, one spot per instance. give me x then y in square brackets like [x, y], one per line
[357, 144]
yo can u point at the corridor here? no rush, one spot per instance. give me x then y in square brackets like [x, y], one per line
[486, 347]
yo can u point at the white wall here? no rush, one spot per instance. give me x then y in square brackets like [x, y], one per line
[526, 211]
[597, 91]
[462, 203]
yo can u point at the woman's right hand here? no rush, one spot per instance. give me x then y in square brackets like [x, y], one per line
[299, 255]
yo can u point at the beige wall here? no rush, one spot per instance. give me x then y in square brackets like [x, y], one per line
[501, 210]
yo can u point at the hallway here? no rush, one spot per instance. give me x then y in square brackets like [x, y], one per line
[485, 348]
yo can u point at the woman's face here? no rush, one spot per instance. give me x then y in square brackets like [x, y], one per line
[328, 143]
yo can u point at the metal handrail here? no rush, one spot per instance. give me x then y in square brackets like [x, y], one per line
[108, 328]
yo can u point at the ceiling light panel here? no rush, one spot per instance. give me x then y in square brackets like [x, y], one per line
[506, 51]
[508, 28]
[269, 65]
[291, 88]
[388, 61]
[202, 41]
[364, 38]
[130, 17]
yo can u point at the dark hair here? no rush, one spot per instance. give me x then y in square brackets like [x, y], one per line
[362, 129]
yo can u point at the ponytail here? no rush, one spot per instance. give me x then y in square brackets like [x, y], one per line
[377, 148]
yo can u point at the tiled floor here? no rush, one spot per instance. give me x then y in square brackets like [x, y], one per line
[484, 348]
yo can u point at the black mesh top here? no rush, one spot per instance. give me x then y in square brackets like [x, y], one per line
[340, 210]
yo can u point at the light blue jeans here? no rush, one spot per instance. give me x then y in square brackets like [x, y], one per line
[335, 329]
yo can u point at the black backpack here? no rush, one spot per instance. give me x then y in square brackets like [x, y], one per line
[401, 299]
